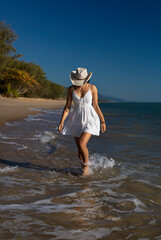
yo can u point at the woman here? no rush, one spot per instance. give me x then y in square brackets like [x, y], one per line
[84, 121]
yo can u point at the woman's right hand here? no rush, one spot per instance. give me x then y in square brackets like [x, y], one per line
[60, 127]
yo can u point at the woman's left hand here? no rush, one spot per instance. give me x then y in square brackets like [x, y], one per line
[60, 127]
[103, 127]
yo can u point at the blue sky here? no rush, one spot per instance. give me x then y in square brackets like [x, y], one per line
[119, 41]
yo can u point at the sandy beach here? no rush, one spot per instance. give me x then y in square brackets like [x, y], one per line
[15, 109]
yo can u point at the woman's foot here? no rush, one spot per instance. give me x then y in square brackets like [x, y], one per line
[85, 171]
[85, 168]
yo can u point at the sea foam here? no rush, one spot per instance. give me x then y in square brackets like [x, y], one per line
[8, 169]
[13, 124]
[3, 136]
[45, 137]
[97, 161]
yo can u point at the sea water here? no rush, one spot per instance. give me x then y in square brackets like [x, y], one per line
[44, 196]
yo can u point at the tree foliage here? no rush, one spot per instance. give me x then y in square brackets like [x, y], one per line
[18, 81]
[7, 37]
[19, 77]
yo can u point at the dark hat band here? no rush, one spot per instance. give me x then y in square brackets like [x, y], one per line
[79, 78]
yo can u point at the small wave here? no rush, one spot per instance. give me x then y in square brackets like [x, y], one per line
[12, 124]
[33, 118]
[8, 169]
[58, 112]
[36, 109]
[20, 146]
[6, 137]
[14, 143]
[138, 204]
[148, 182]
[3, 136]
[97, 161]
[45, 137]
[128, 201]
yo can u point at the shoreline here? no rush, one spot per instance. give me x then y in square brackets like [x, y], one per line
[16, 109]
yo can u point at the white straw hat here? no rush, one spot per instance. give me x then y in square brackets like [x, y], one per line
[80, 77]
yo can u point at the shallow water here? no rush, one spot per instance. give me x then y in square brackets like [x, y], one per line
[44, 196]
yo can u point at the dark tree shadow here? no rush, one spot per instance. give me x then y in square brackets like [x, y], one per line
[72, 171]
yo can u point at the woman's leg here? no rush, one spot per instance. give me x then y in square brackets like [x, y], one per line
[84, 138]
[83, 150]
[77, 140]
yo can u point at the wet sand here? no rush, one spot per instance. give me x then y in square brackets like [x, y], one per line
[16, 109]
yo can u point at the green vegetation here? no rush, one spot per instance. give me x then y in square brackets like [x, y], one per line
[19, 78]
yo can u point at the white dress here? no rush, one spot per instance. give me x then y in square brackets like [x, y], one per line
[83, 118]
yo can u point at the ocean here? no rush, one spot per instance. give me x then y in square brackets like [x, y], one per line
[44, 195]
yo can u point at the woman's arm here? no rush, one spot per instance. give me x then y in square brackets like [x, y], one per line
[97, 109]
[66, 109]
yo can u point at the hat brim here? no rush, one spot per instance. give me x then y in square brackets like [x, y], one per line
[79, 82]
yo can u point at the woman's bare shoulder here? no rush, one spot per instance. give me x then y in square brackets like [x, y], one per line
[71, 88]
[93, 87]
